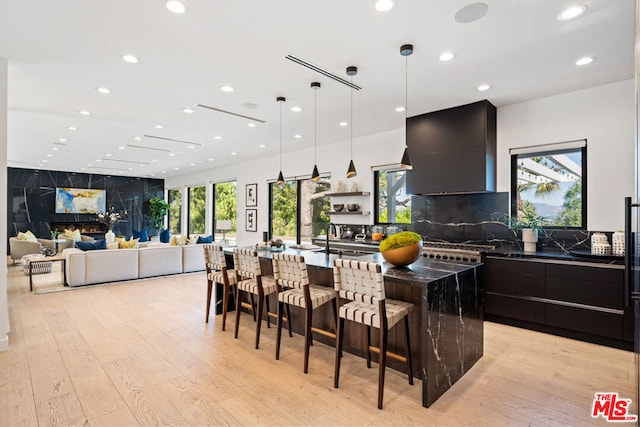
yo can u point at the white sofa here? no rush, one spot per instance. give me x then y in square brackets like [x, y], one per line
[113, 265]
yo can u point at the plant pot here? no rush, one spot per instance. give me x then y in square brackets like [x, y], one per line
[530, 238]
[403, 256]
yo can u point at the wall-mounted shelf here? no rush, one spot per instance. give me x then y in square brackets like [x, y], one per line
[349, 193]
[349, 213]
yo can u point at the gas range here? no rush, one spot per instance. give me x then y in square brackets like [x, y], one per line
[455, 251]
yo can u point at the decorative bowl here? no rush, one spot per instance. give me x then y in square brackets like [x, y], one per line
[403, 256]
[338, 208]
[352, 207]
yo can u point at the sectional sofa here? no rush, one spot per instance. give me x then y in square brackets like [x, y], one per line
[113, 265]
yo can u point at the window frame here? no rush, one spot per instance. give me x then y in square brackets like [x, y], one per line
[545, 152]
[189, 191]
[376, 197]
[169, 200]
[213, 207]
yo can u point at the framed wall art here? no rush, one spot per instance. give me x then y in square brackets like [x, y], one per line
[251, 220]
[251, 197]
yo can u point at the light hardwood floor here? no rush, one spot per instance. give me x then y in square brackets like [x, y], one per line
[139, 353]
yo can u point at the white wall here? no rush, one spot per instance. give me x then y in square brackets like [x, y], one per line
[605, 117]
[4, 308]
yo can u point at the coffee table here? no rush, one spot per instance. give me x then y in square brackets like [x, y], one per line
[37, 261]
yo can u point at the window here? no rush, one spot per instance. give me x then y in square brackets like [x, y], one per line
[224, 208]
[299, 202]
[175, 209]
[550, 181]
[393, 204]
[197, 207]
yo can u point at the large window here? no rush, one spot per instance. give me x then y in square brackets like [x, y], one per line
[197, 208]
[550, 181]
[300, 202]
[393, 204]
[175, 210]
[224, 208]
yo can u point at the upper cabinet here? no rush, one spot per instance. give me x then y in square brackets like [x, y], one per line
[453, 150]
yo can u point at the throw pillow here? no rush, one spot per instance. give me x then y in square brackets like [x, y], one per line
[30, 237]
[179, 240]
[165, 235]
[21, 236]
[143, 235]
[92, 246]
[128, 244]
[113, 245]
[207, 239]
[73, 235]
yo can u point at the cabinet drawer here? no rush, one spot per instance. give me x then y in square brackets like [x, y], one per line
[599, 294]
[583, 320]
[514, 308]
[513, 283]
[514, 266]
[587, 273]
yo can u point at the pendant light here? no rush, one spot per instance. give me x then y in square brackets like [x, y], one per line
[315, 175]
[406, 50]
[280, 179]
[351, 171]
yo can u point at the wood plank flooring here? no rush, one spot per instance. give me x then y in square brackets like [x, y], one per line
[139, 353]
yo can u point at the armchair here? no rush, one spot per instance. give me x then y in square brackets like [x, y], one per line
[20, 248]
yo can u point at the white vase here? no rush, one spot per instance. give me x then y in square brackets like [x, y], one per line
[109, 236]
[530, 238]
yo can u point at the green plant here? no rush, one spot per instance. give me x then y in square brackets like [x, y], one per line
[158, 208]
[399, 240]
[528, 218]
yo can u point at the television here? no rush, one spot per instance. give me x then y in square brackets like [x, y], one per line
[80, 200]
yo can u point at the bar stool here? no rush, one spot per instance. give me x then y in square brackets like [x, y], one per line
[290, 273]
[250, 280]
[217, 272]
[362, 283]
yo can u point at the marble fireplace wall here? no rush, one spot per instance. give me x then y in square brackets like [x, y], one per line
[31, 199]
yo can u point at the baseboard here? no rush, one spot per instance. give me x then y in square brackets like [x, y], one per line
[4, 343]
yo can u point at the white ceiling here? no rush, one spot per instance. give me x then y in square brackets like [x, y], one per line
[59, 52]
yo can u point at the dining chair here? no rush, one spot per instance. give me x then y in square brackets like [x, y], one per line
[217, 272]
[362, 284]
[292, 278]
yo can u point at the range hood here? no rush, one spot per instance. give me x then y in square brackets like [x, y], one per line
[453, 150]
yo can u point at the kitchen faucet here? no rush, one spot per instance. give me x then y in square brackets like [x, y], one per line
[335, 230]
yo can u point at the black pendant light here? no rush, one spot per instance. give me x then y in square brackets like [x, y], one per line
[406, 50]
[351, 171]
[315, 175]
[280, 179]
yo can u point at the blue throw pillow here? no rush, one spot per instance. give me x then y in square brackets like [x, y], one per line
[165, 235]
[208, 239]
[142, 236]
[92, 246]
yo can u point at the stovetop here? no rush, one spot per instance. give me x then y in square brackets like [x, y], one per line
[460, 252]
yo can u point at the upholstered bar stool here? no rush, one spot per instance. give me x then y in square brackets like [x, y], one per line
[362, 284]
[290, 273]
[250, 280]
[217, 272]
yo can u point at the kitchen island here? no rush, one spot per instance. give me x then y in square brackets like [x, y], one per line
[446, 325]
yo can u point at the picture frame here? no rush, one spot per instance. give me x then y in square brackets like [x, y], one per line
[251, 195]
[251, 220]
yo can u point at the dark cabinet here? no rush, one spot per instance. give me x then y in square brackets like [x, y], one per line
[570, 299]
[453, 150]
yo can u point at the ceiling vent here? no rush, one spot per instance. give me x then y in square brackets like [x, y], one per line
[231, 113]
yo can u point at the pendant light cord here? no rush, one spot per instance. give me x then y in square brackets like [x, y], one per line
[280, 135]
[351, 119]
[406, 90]
[315, 126]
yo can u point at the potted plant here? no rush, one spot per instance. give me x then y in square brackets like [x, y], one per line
[401, 248]
[529, 222]
[158, 209]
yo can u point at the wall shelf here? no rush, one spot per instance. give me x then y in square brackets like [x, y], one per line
[349, 213]
[349, 193]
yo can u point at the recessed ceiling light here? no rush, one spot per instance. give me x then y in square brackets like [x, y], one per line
[192, 164]
[98, 160]
[217, 138]
[121, 148]
[103, 90]
[163, 172]
[158, 126]
[471, 13]
[154, 160]
[44, 161]
[400, 109]
[84, 112]
[82, 169]
[262, 146]
[251, 125]
[233, 153]
[55, 148]
[296, 109]
[344, 124]
[49, 155]
[129, 169]
[137, 138]
[62, 139]
[188, 110]
[572, 12]
[72, 128]
[130, 58]
[192, 146]
[586, 60]
[141, 164]
[227, 88]
[172, 154]
[176, 6]
[446, 56]
[176, 169]
[108, 155]
[297, 136]
[385, 5]
[483, 87]
[210, 160]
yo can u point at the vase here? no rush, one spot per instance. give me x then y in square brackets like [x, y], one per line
[110, 237]
[530, 238]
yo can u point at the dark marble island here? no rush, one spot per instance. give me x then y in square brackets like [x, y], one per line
[446, 325]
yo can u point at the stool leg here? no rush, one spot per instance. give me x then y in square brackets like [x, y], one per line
[266, 301]
[253, 307]
[209, 286]
[225, 305]
[409, 364]
[368, 351]
[279, 334]
[259, 322]
[383, 364]
[238, 297]
[308, 315]
[339, 334]
[289, 320]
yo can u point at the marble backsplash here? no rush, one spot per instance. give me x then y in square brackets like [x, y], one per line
[482, 219]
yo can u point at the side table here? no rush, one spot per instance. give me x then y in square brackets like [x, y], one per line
[60, 245]
[34, 263]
